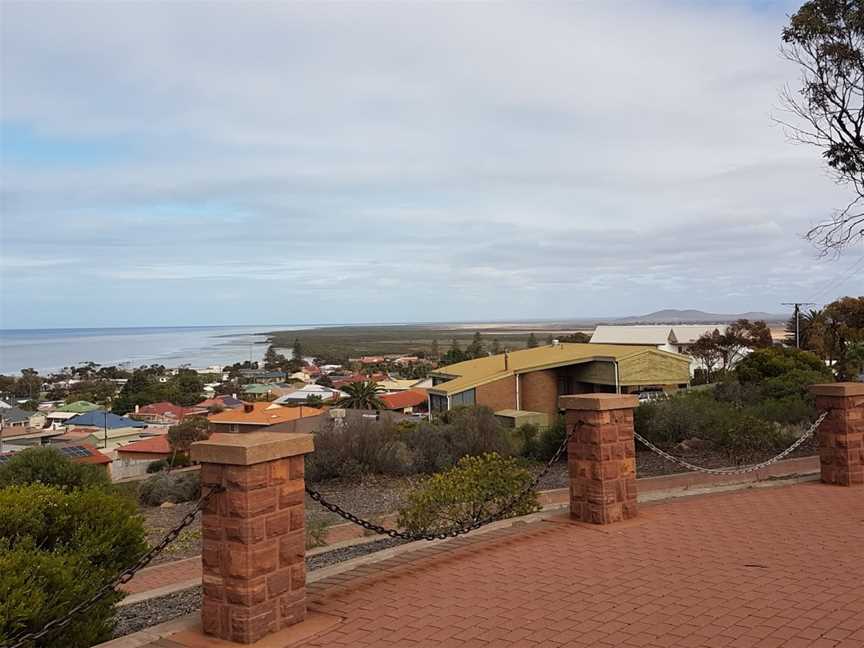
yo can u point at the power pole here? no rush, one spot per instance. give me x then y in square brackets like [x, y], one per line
[798, 306]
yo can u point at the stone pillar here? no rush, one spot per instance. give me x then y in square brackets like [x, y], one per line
[601, 456]
[254, 538]
[841, 435]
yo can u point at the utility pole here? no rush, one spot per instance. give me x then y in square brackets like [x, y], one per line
[798, 306]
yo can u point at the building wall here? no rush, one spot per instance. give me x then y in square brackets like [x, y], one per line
[307, 424]
[538, 392]
[497, 395]
[654, 368]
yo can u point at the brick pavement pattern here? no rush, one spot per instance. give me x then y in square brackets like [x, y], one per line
[164, 574]
[763, 568]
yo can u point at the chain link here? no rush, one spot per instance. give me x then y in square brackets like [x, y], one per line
[734, 471]
[476, 523]
[123, 577]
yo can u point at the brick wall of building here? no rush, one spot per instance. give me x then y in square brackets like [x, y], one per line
[538, 392]
[498, 395]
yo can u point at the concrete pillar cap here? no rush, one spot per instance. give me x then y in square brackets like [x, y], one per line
[246, 449]
[598, 402]
[840, 389]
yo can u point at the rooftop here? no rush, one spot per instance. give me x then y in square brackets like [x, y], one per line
[652, 334]
[102, 419]
[153, 445]
[472, 373]
[263, 414]
[737, 570]
[400, 400]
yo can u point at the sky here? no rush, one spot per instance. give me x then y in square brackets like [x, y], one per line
[240, 163]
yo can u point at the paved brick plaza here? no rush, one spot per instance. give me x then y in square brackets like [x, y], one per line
[764, 567]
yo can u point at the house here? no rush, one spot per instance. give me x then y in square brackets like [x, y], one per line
[533, 379]
[302, 394]
[79, 453]
[15, 417]
[391, 385]
[371, 360]
[677, 338]
[134, 458]
[166, 413]
[413, 401]
[58, 419]
[108, 430]
[266, 416]
[224, 401]
[262, 375]
[78, 407]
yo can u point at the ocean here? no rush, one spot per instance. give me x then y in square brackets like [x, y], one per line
[198, 346]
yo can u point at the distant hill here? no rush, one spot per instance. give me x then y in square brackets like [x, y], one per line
[690, 316]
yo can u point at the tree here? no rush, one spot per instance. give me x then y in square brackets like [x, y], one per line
[362, 395]
[186, 387]
[578, 337]
[754, 335]
[532, 341]
[29, 385]
[184, 434]
[855, 358]
[297, 350]
[47, 466]
[325, 381]
[845, 326]
[496, 347]
[434, 352]
[475, 349]
[707, 351]
[825, 39]
[454, 355]
[273, 360]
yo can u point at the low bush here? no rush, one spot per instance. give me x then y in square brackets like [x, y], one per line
[166, 487]
[57, 547]
[157, 466]
[742, 435]
[478, 486]
[48, 466]
[355, 447]
[316, 531]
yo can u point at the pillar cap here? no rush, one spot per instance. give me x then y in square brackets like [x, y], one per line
[598, 402]
[840, 389]
[246, 449]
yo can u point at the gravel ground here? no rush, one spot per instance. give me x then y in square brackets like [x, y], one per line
[135, 617]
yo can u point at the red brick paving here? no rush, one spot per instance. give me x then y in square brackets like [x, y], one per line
[762, 568]
[170, 573]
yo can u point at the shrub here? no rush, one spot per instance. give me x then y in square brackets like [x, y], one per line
[316, 531]
[527, 441]
[57, 547]
[742, 435]
[48, 466]
[164, 487]
[551, 439]
[475, 488]
[157, 466]
[783, 371]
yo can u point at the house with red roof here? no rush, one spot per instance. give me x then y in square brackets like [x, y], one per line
[166, 413]
[412, 401]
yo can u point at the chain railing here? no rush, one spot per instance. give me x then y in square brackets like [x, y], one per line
[455, 531]
[740, 470]
[30, 639]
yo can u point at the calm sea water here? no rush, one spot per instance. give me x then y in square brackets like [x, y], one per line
[173, 346]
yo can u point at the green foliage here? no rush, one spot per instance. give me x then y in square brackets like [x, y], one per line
[532, 342]
[359, 446]
[57, 547]
[472, 490]
[143, 388]
[316, 531]
[526, 437]
[782, 371]
[157, 466]
[47, 466]
[540, 444]
[184, 434]
[38, 586]
[362, 395]
[165, 487]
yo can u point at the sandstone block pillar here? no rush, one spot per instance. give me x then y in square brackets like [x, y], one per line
[601, 456]
[841, 434]
[253, 535]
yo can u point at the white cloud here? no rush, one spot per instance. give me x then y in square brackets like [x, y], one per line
[488, 160]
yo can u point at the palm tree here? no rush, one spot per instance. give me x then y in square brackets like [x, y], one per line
[361, 395]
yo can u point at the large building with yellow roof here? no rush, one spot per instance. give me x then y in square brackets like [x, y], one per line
[533, 379]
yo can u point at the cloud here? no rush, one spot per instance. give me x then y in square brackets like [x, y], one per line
[393, 162]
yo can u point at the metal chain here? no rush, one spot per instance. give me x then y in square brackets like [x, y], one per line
[734, 471]
[123, 577]
[450, 533]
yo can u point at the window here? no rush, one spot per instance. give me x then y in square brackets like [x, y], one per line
[462, 398]
[234, 428]
[438, 403]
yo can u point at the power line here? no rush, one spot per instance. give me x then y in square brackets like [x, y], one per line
[836, 282]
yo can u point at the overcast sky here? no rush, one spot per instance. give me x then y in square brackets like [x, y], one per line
[307, 163]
